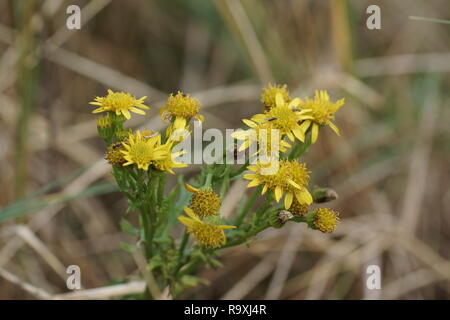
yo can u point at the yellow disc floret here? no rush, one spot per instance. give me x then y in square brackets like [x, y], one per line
[114, 155]
[269, 93]
[180, 108]
[206, 233]
[120, 103]
[205, 202]
[326, 220]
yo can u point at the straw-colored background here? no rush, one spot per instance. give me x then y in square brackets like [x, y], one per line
[390, 167]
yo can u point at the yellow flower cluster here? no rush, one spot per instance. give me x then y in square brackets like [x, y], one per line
[145, 149]
[291, 117]
[294, 118]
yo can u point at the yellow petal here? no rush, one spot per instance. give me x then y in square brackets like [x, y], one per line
[299, 134]
[186, 221]
[264, 190]
[190, 188]
[250, 123]
[314, 132]
[136, 110]
[294, 103]
[290, 136]
[304, 197]
[190, 213]
[98, 110]
[288, 200]
[305, 125]
[250, 176]
[334, 128]
[179, 123]
[278, 193]
[226, 227]
[253, 183]
[279, 100]
[294, 184]
[126, 113]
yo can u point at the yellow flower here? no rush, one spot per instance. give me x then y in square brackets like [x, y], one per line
[114, 155]
[204, 202]
[207, 234]
[322, 111]
[291, 177]
[285, 118]
[120, 103]
[180, 108]
[326, 220]
[269, 93]
[263, 135]
[168, 163]
[143, 151]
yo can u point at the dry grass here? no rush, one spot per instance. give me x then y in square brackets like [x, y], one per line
[390, 168]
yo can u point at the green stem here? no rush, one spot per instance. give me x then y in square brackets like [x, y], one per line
[300, 149]
[183, 244]
[240, 170]
[248, 206]
[208, 181]
[161, 186]
[147, 233]
[249, 235]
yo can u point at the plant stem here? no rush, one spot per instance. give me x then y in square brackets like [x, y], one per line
[300, 149]
[252, 233]
[248, 206]
[183, 244]
[240, 170]
[161, 185]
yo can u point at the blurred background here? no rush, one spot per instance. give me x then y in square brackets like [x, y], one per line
[58, 202]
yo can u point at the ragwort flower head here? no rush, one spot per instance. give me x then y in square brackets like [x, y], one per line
[285, 117]
[322, 110]
[120, 103]
[143, 150]
[206, 233]
[205, 202]
[326, 220]
[291, 178]
[268, 95]
[114, 154]
[180, 108]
